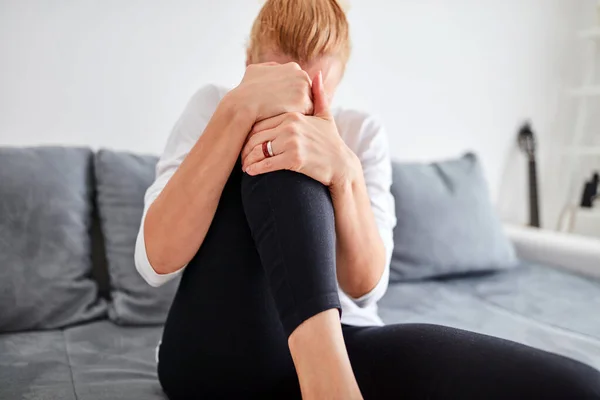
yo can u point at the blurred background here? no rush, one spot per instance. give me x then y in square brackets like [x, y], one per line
[444, 76]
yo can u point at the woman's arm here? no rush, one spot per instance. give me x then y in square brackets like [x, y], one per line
[361, 255]
[178, 219]
[368, 139]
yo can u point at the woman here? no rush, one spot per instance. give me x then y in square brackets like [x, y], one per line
[280, 211]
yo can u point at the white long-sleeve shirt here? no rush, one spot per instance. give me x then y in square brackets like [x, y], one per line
[361, 133]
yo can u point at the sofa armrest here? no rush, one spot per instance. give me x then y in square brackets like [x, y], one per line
[572, 252]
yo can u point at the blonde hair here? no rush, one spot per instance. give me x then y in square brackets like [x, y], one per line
[301, 29]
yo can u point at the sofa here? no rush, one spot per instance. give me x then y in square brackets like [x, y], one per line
[77, 322]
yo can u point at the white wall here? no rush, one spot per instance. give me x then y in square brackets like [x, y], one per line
[564, 176]
[445, 75]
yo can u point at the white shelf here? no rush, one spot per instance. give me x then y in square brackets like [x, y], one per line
[585, 221]
[589, 212]
[586, 91]
[590, 34]
[589, 151]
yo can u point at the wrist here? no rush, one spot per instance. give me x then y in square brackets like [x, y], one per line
[238, 106]
[348, 174]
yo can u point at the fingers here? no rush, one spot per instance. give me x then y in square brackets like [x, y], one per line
[320, 101]
[308, 107]
[268, 123]
[270, 164]
[306, 77]
[258, 139]
[270, 128]
[293, 83]
[256, 154]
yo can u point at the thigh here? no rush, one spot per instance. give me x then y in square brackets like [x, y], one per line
[223, 337]
[419, 361]
[223, 340]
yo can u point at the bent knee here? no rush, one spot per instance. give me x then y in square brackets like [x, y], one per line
[283, 183]
[286, 192]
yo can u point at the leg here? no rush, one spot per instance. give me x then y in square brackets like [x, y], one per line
[223, 338]
[264, 274]
[292, 223]
[417, 361]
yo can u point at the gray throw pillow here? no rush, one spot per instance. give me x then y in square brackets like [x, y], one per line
[122, 180]
[45, 254]
[446, 221]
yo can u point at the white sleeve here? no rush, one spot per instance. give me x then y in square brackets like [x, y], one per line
[184, 135]
[371, 147]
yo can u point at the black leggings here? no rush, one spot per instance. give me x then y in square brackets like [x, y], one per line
[268, 263]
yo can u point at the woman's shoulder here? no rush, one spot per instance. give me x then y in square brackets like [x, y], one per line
[358, 128]
[209, 95]
[194, 118]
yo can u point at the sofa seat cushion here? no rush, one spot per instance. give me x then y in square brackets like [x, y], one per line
[35, 365]
[111, 362]
[96, 361]
[542, 307]
[550, 296]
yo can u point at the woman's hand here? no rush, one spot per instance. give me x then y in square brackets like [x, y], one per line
[310, 145]
[272, 89]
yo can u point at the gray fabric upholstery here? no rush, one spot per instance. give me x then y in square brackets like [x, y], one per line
[545, 308]
[99, 264]
[96, 361]
[35, 366]
[446, 222]
[45, 264]
[541, 307]
[111, 362]
[122, 180]
[45, 212]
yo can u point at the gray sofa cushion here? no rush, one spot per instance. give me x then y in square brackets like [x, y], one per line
[111, 362]
[101, 360]
[94, 361]
[536, 305]
[122, 180]
[35, 365]
[446, 222]
[45, 212]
